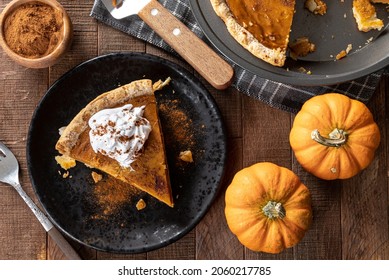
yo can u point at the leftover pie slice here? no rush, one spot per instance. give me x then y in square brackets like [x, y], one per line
[260, 26]
[148, 171]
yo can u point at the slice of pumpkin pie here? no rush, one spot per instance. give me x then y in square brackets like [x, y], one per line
[260, 26]
[119, 133]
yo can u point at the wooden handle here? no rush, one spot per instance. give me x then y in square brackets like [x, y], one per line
[62, 243]
[191, 48]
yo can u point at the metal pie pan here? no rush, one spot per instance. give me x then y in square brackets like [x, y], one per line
[331, 33]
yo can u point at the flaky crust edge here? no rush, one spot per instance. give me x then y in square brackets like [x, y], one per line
[112, 98]
[275, 57]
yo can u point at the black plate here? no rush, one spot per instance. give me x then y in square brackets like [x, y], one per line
[71, 202]
[331, 33]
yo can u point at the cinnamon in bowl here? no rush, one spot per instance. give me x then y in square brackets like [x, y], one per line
[35, 33]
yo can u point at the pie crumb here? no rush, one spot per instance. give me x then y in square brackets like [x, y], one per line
[341, 55]
[158, 85]
[301, 47]
[344, 53]
[186, 156]
[140, 205]
[318, 7]
[96, 177]
[303, 70]
[65, 162]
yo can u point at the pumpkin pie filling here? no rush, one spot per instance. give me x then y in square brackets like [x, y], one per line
[268, 20]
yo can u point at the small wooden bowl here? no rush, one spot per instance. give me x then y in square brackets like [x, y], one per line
[43, 61]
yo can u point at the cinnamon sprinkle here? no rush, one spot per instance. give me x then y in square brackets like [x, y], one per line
[111, 194]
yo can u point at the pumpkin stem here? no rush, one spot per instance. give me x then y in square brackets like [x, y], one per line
[337, 138]
[274, 210]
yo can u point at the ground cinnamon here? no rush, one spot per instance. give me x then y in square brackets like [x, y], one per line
[111, 194]
[178, 123]
[33, 30]
[180, 132]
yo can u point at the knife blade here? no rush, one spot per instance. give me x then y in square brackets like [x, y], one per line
[123, 8]
[190, 47]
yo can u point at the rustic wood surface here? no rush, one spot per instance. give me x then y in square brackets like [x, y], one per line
[350, 216]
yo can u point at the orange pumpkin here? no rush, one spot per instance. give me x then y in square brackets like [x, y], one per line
[334, 136]
[267, 207]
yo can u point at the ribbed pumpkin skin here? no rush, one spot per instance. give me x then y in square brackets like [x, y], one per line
[250, 190]
[325, 113]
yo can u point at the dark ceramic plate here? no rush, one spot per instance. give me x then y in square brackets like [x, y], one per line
[190, 119]
[331, 33]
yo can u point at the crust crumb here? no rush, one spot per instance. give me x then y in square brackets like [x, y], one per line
[65, 175]
[303, 70]
[65, 162]
[96, 177]
[186, 156]
[140, 205]
[301, 47]
[158, 85]
[344, 53]
[318, 7]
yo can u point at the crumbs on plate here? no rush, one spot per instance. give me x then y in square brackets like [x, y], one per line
[96, 177]
[186, 156]
[140, 205]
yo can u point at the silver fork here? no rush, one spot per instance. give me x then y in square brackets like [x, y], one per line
[9, 174]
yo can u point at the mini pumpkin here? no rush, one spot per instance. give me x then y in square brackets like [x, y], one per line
[334, 136]
[267, 207]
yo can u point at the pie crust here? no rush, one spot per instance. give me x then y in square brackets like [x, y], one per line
[365, 15]
[150, 168]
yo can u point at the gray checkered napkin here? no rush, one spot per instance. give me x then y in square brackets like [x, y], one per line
[278, 95]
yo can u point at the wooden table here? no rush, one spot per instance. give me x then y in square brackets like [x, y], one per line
[350, 217]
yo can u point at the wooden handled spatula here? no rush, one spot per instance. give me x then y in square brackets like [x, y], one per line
[191, 48]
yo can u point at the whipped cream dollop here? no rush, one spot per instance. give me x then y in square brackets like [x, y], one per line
[119, 133]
